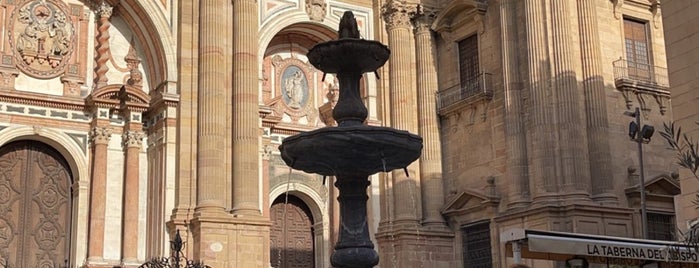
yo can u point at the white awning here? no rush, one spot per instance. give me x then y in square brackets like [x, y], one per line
[557, 245]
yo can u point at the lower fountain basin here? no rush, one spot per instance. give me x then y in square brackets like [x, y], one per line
[358, 149]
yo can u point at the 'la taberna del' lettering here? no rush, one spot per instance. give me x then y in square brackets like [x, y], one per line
[668, 254]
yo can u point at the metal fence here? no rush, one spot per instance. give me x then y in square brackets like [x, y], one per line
[478, 87]
[630, 71]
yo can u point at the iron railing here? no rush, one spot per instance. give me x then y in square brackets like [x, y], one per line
[477, 88]
[177, 260]
[640, 73]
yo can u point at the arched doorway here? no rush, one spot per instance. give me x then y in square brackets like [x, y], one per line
[35, 206]
[291, 237]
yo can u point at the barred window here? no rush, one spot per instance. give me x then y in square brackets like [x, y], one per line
[468, 65]
[661, 226]
[476, 248]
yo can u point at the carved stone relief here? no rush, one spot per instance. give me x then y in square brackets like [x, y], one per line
[42, 38]
[316, 9]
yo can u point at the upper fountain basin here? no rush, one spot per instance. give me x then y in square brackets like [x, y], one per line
[348, 55]
[359, 149]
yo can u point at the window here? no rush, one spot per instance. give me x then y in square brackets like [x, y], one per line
[468, 65]
[636, 42]
[661, 226]
[476, 246]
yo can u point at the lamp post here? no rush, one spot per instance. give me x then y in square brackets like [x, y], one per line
[641, 136]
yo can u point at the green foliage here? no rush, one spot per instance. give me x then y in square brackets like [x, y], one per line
[688, 158]
[687, 150]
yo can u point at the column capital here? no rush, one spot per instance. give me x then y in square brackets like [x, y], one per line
[423, 19]
[103, 9]
[397, 13]
[133, 138]
[100, 135]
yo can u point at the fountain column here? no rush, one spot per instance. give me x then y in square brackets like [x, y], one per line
[595, 105]
[431, 158]
[543, 168]
[514, 125]
[403, 99]
[574, 164]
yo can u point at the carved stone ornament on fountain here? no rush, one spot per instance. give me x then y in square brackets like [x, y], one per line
[352, 151]
[42, 37]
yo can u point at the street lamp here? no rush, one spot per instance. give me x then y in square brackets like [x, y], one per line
[641, 135]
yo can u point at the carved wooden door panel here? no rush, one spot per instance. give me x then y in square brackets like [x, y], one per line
[34, 206]
[291, 236]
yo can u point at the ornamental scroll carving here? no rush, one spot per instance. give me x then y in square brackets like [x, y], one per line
[42, 38]
[100, 135]
[133, 138]
[398, 13]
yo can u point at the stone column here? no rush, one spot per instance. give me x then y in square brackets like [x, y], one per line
[595, 105]
[103, 11]
[129, 243]
[246, 185]
[574, 164]
[99, 135]
[517, 169]
[403, 99]
[431, 158]
[211, 176]
[543, 168]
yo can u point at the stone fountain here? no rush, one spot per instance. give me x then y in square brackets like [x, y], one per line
[352, 151]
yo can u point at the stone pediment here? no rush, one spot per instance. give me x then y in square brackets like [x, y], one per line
[469, 201]
[116, 96]
[662, 185]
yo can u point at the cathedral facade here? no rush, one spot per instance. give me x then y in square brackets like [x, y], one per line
[123, 122]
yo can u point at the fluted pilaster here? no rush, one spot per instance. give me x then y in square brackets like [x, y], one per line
[246, 186]
[595, 104]
[517, 170]
[543, 168]
[99, 136]
[211, 177]
[403, 98]
[431, 158]
[103, 11]
[574, 164]
[129, 243]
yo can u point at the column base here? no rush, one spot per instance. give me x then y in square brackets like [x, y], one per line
[422, 247]
[226, 240]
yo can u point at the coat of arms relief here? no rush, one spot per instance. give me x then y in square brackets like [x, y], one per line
[42, 38]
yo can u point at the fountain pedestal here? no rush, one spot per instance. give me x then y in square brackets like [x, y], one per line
[351, 151]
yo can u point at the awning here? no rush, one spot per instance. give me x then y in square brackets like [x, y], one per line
[560, 246]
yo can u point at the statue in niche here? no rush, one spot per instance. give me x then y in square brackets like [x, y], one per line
[294, 87]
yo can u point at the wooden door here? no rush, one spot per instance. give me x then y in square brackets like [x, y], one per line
[34, 206]
[636, 42]
[291, 236]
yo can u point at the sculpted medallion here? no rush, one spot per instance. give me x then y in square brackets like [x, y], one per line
[294, 87]
[41, 38]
